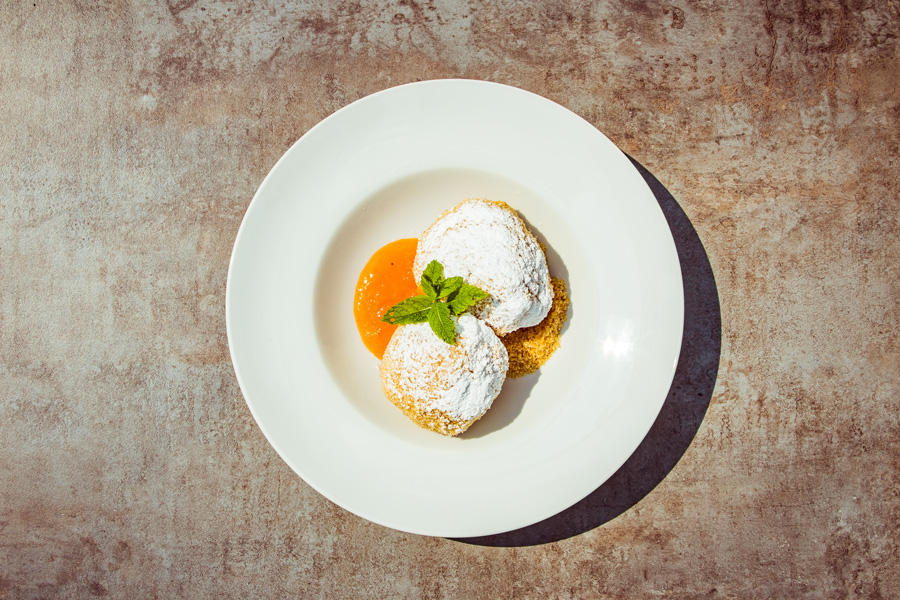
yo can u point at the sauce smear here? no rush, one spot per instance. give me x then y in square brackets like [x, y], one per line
[385, 280]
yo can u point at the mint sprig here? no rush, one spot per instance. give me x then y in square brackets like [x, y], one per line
[441, 323]
[466, 296]
[442, 298]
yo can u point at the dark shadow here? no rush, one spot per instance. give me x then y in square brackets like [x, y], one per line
[682, 412]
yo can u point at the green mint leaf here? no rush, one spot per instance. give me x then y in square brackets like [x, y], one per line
[430, 289]
[442, 323]
[412, 310]
[428, 308]
[433, 278]
[467, 296]
[450, 285]
[434, 271]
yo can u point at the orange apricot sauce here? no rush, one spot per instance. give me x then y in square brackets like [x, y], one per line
[385, 280]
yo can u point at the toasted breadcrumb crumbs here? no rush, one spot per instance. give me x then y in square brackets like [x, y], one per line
[530, 347]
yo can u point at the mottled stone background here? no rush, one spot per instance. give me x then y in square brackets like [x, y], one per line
[132, 138]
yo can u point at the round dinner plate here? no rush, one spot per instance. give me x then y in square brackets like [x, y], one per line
[384, 168]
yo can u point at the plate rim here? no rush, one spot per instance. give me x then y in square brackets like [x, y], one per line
[229, 303]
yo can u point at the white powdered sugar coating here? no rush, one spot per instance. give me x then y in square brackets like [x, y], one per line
[460, 380]
[488, 245]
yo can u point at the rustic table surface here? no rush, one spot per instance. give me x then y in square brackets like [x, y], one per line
[133, 138]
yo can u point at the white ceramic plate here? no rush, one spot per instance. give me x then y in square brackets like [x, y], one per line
[384, 168]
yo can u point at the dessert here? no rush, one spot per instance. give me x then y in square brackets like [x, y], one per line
[530, 347]
[443, 387]
[489, 245]
[484, 308]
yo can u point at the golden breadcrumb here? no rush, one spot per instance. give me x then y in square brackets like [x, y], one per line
[530, 347]
[393, 378]
[434, 420]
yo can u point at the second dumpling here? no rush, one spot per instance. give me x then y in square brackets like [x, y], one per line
[487, 244]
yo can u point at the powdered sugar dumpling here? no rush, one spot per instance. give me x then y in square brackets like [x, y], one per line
[487, 244]
[444, 387]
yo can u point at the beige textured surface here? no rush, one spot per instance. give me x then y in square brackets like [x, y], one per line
[133, 138]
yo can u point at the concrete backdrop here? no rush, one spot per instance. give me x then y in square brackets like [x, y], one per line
[134, 136]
